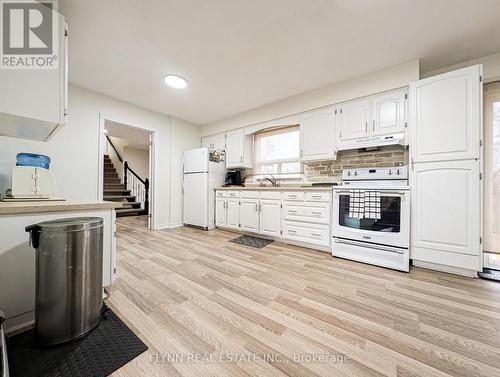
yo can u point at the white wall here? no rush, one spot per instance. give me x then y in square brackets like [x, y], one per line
[491, 67]
[74, 149]
[138, 160]
[390, 78]
[184, 137]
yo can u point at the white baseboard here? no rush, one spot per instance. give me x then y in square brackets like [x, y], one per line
[169, 226]
[448, 269]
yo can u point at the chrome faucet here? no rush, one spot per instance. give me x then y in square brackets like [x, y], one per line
[272, 180]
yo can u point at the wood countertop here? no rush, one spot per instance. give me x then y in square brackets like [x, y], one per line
[9, 207]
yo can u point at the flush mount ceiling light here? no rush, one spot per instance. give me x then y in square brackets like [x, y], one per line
[175, 81]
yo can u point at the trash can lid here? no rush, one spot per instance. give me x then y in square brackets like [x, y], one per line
[71, 224]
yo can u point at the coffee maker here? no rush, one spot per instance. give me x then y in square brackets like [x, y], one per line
[233, 178]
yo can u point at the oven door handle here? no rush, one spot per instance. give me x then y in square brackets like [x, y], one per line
[387, 192]
[369, 245]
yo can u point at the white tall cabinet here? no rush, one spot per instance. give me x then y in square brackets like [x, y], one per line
[445, 176]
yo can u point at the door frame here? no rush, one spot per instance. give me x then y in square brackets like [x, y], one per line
[153, 156]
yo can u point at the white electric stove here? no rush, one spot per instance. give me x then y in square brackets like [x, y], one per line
[371, 217]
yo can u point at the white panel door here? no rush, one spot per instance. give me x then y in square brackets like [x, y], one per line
[220, 212]
[446, 202]
[234, 148]
[352, 120]
[270, 217]
[233, 214]
[445, 116]
[317, 136]
[249, 215]
[195, 199]
[388, 113]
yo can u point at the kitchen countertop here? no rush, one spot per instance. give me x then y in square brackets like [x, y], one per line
[9, 207]
[279, 188]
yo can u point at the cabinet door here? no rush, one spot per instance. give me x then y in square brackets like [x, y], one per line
[445, 216]
[317, 136]
[352, 120]
[208, 142]
[388, 113]
[233, 213]
[220, 212]
[270, 217]
[234, 148]
[220, 142]
[445, 116]
[249, 215]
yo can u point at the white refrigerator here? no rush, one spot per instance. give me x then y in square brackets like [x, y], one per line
[200, 177]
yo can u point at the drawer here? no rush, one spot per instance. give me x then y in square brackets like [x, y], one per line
[220, 194]
[233, 194]
[315, 196]
[309, 233]
[316, 213]
[271, 195]
[293, 195]
[249, 194]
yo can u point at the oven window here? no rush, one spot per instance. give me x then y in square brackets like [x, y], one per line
[390, 215]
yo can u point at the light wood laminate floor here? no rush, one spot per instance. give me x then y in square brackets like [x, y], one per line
[191, 294]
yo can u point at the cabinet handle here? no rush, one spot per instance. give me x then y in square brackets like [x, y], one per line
[292, 196]
[291, 231]
[291, 211]
[316, 213]
[366, 126]
[241, 158]
[316, 234]
[256, 208]
[373, 125]
[316, 196]
[412, 164]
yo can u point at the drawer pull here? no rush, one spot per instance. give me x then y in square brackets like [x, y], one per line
[317, 196]
[292, 196]
[316, 234]
[316, 213]
[291, 231]
[292, 211]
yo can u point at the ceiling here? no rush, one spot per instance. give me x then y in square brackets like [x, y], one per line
[133, 137]
[240, 54]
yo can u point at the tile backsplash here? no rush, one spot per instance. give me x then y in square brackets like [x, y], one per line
[331, 171]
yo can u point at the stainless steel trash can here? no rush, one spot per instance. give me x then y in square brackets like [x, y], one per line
[68, 278]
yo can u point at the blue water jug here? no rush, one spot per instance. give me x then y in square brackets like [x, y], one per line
[31, 159]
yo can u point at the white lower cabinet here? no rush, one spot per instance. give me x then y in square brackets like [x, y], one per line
[270, 217]
[233, 213]
[249, 215]
[220, 212]
[299, 216]
[317, 234]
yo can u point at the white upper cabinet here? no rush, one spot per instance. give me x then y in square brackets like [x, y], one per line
[208, 142]
[249, 215]
[445, 116]
[239, 149]
[33, 102]
[317, 137]
[388, 113]
[220, 142]
[352, 121]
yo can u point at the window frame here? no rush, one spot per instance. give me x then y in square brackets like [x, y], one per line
[280, 161]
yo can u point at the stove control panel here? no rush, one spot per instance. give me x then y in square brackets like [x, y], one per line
[397, 173]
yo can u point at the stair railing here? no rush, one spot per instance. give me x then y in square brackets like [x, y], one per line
[138, 187]
[111, 143]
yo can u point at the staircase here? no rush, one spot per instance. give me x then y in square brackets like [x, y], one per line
[115, 191]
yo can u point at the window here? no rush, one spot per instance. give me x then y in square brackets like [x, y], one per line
[277, 151]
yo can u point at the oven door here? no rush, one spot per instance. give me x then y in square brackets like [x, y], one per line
[392, 228]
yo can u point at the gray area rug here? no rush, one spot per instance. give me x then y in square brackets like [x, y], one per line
[257, 242]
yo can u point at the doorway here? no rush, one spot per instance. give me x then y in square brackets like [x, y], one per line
[492, 176]
[127, 170]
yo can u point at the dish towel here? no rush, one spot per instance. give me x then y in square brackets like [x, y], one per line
[357, 204]
[372, 205]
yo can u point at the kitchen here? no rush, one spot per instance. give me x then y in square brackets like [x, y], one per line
[312, 210]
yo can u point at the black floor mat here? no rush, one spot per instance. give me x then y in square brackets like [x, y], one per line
[489, 274]
[257, 242]
[105, 349]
